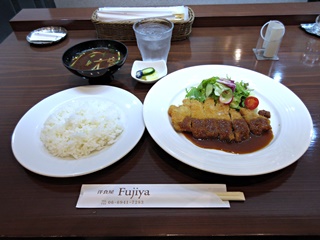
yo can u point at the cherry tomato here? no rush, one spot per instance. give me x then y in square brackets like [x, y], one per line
[251, 102]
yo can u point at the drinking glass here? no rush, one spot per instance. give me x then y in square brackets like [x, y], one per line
[311, 55]
[153, 38]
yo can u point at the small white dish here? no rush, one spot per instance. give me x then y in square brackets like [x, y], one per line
[47, 35]
[159, 66]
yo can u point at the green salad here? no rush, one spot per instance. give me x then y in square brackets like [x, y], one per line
[224, 90]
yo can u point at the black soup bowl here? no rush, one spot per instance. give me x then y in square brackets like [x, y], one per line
[95, 60]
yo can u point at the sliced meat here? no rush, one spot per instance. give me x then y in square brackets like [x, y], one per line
[181, 117]
[224, 125]
[198, 119]
[257, 123]
[264, 113]
[211, 119]
[240, 127]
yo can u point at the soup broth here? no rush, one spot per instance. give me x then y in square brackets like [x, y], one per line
[95, 59]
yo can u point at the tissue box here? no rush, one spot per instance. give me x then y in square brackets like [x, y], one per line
[123, 31]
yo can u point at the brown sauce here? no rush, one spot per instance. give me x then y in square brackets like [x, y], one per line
[95, 59]
[254, 143]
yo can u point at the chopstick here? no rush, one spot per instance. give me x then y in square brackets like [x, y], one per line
[231, 196]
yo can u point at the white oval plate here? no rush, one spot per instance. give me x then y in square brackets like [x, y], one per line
[159, 66]
[31, 153]
[288, 114]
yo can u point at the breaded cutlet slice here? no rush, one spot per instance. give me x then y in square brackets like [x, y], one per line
[240, 127]
[181, 117]
[224, 125]
[257, 123]
[211, 121]
[198, 116]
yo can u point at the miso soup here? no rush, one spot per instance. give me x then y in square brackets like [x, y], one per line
[95, 59]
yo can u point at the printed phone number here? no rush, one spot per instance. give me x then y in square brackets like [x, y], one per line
[121, 202]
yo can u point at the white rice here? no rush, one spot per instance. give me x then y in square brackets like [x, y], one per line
[80, 127]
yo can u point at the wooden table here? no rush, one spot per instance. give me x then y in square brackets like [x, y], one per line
[282, 203]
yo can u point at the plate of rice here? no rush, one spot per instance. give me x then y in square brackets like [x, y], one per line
[78, 131]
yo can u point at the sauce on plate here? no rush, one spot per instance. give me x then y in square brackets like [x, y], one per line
[253, 144]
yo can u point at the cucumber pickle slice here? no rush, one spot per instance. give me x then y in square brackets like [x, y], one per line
[145, 72]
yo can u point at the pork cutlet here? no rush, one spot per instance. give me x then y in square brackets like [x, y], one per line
[216, 120]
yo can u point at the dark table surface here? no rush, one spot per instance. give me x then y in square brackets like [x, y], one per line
[282, 203]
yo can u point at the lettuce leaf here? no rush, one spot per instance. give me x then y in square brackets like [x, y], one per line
[213, 87]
